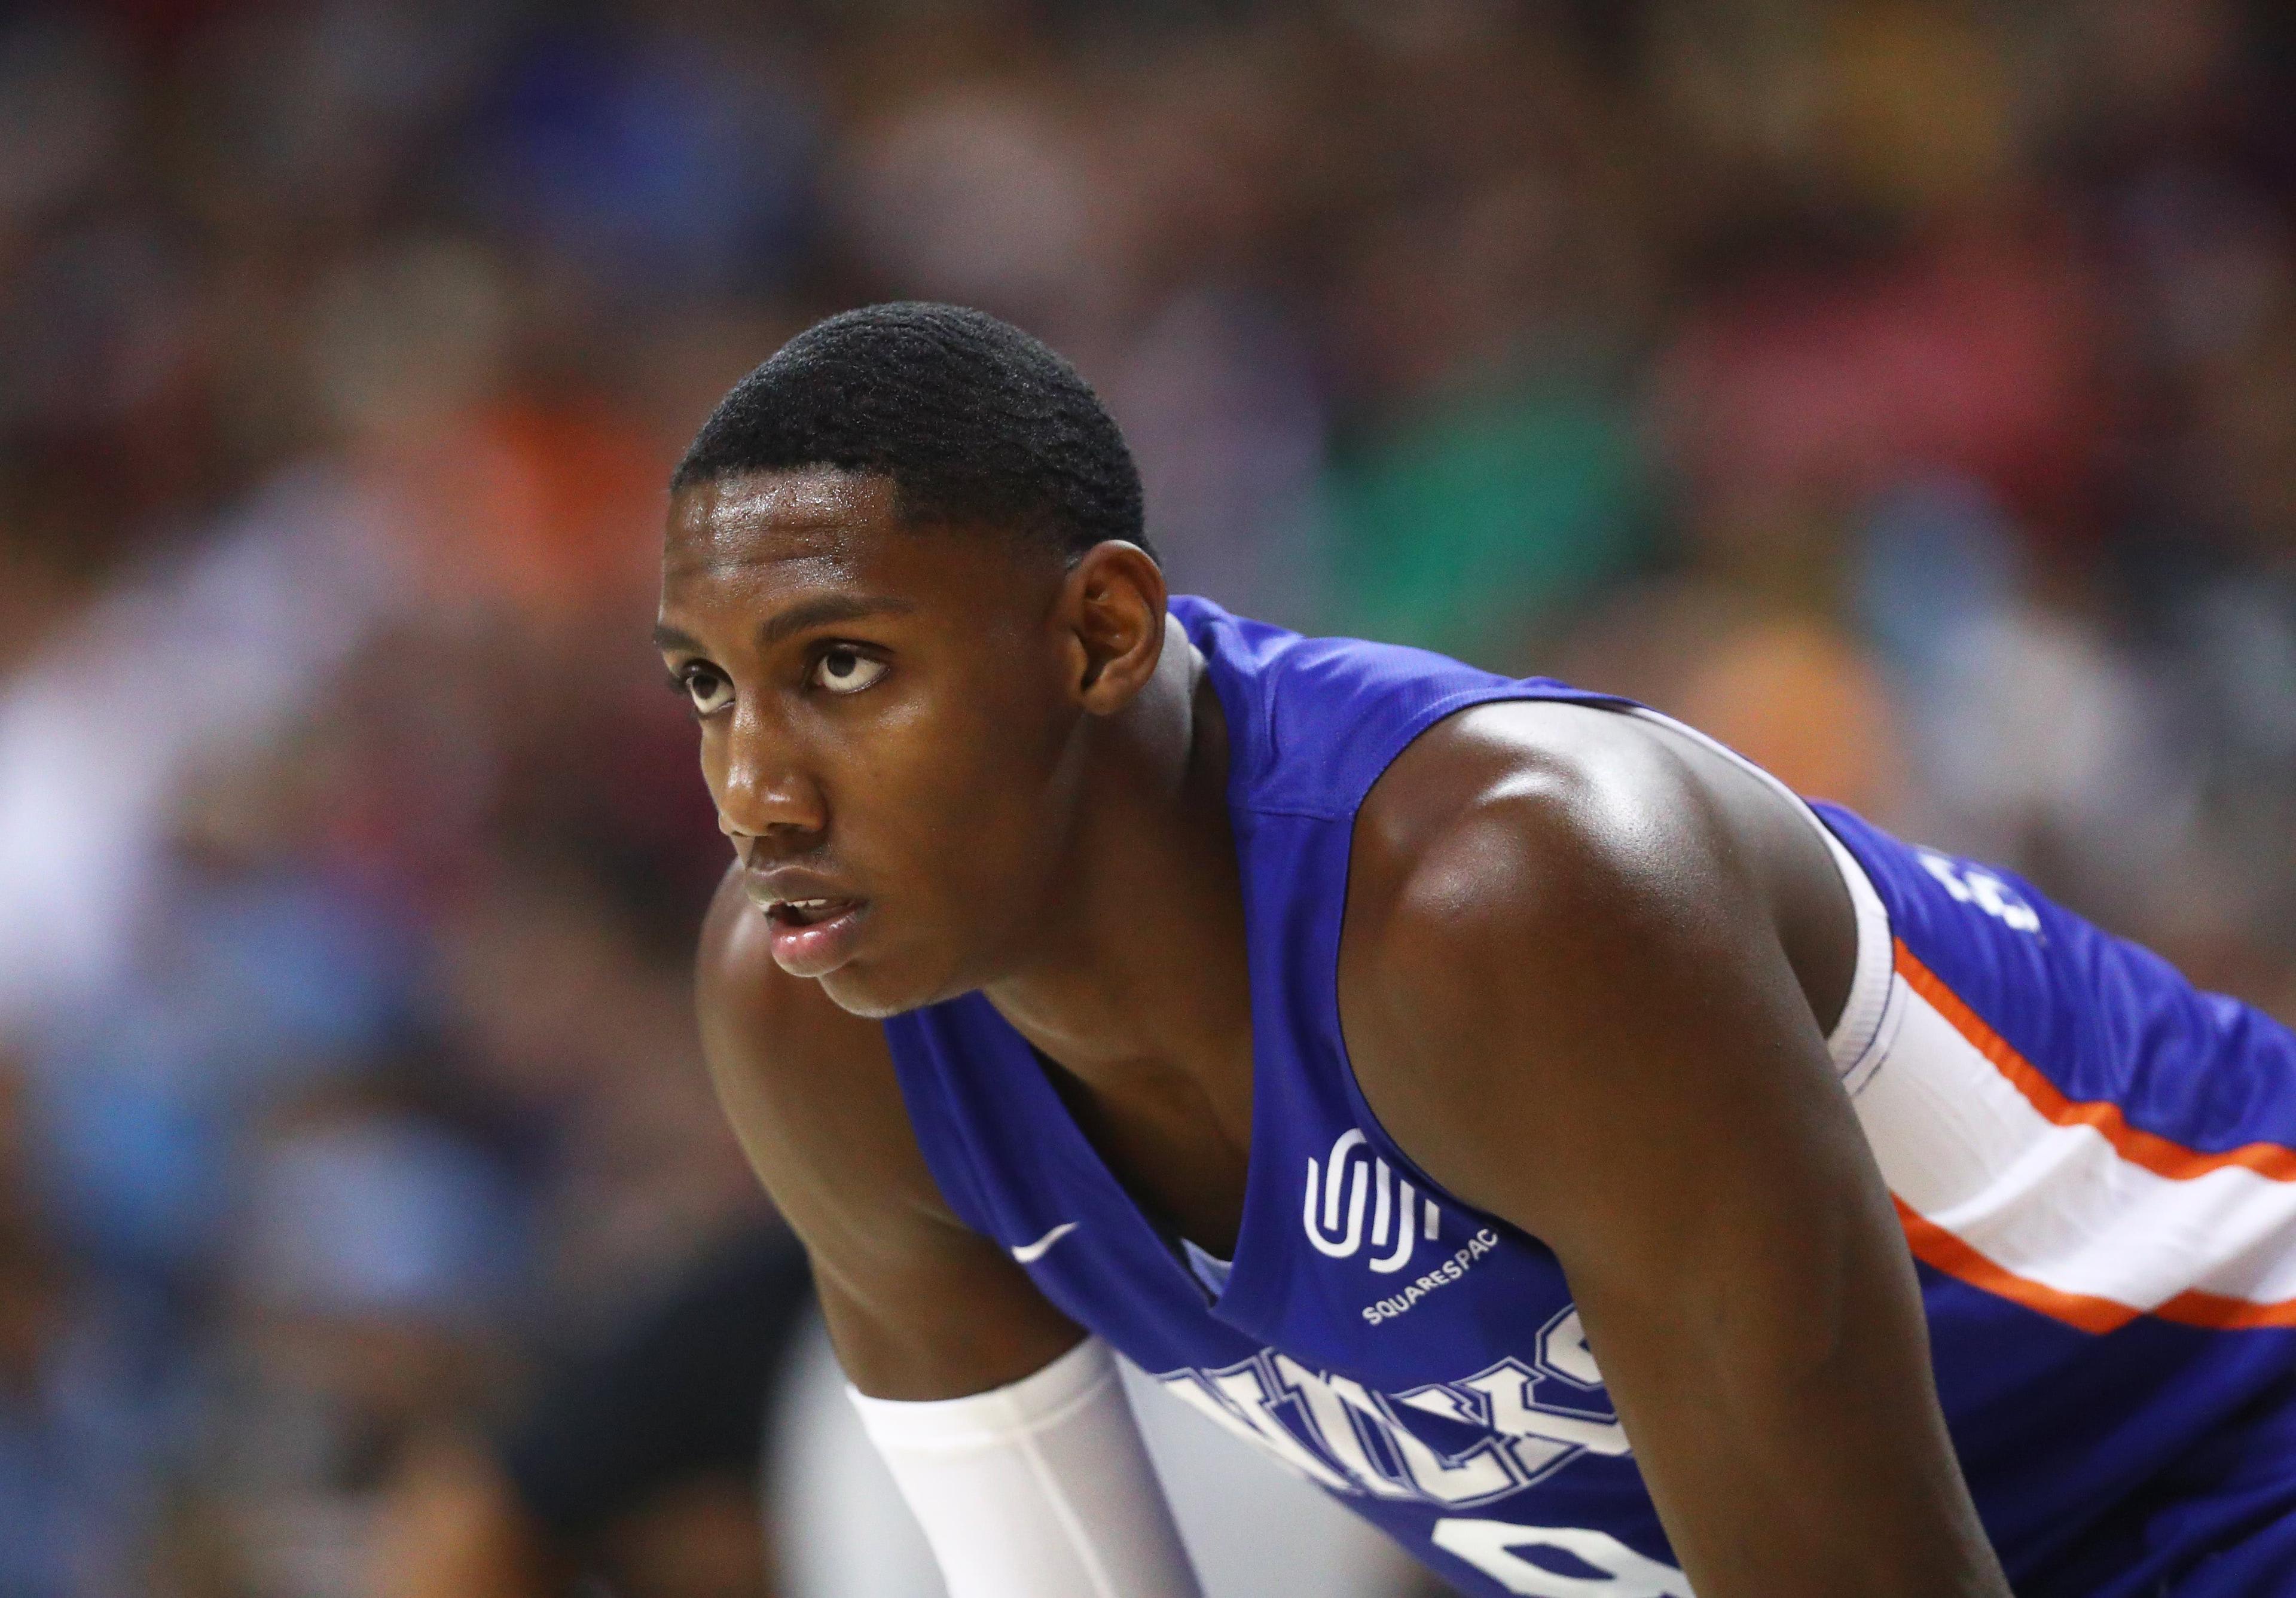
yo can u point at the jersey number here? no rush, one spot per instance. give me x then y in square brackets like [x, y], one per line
[1973, 885]
[1496, 1547]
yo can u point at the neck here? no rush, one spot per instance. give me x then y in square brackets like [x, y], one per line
[1138, 987]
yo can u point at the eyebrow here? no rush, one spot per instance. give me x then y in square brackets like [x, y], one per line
[828, 608]
[797, 619]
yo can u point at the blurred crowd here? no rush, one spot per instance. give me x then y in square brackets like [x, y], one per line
[1902, 390]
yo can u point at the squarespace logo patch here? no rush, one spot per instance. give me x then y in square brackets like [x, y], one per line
[1356, 1204]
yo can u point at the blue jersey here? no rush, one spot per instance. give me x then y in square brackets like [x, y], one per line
[2095, 1164]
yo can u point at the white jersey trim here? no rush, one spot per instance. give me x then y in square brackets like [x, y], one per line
[2003, 1183]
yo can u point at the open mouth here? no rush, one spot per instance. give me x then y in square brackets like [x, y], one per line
[807, 912]
[812, 936]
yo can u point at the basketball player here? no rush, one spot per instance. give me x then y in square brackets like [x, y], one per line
[1509, 1109]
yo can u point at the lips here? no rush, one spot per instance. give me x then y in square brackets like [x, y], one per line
[812, 922]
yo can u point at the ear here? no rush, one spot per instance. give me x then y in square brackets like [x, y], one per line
[1112, 608]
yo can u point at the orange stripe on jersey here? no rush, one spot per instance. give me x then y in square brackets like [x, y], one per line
[2220, 1313]
[1934, 1246]
[2163, 1157]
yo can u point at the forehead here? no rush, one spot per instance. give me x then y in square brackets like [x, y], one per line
[820, 517]
[768, 538]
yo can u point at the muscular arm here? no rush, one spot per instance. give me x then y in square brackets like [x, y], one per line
[1030, 1479]
[919, 1306]
[1569, 986]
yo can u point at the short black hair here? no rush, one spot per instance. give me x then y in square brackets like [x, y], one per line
[974, 422]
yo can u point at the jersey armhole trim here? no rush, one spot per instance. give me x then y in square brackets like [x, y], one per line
[1860, 1038]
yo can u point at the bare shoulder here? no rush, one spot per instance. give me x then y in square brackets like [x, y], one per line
[1525, 828]
[1556, 904]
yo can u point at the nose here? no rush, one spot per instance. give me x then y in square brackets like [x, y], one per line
[768, 794]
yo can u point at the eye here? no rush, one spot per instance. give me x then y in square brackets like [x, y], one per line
[843, 670]
[710, 692]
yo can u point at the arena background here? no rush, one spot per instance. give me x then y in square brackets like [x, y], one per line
[1904, 393]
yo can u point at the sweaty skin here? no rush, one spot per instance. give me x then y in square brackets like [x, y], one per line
[1587, 972]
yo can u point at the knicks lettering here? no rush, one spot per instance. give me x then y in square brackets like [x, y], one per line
[1520, 1422]
[1352, 1179]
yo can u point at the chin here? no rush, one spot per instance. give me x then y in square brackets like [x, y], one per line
[911, 974]
[873, 995]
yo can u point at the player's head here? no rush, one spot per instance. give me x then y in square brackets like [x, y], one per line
[905, 578]
[975, 423]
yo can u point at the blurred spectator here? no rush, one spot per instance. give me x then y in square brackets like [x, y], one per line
[371, 1272]
[639, 1457]
[84, 1419]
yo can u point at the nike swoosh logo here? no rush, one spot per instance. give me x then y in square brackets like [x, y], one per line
[1030, 1253]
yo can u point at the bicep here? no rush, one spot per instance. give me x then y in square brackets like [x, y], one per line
[1628, 1070]
[1746, 1288]
[918, 1305]
[1755, 1306]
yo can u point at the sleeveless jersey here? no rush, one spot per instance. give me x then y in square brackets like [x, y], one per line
[2095, 1164]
